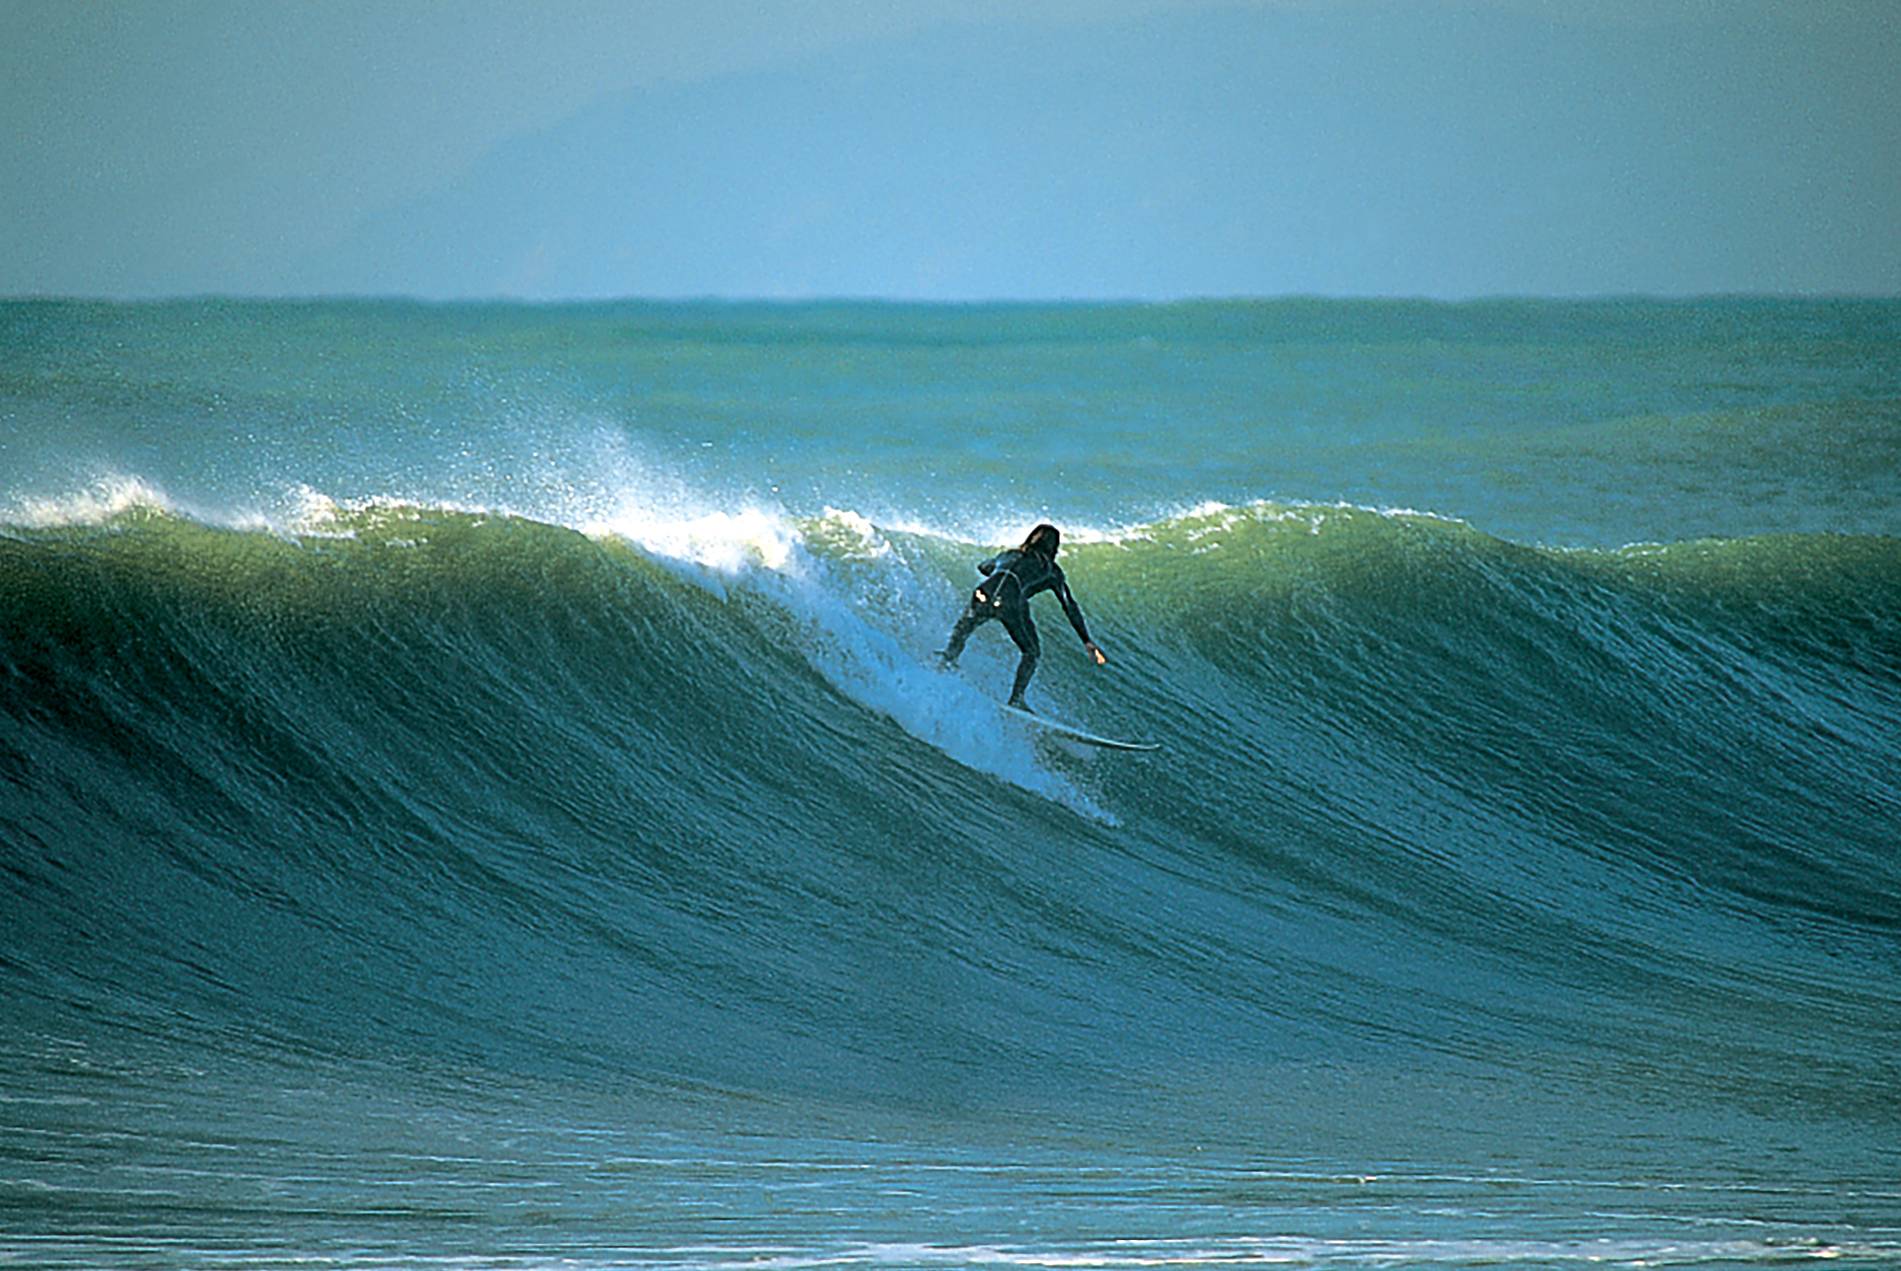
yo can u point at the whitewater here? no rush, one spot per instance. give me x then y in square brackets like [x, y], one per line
[475, 788]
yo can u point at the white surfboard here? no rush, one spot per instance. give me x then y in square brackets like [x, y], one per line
[1074, 733]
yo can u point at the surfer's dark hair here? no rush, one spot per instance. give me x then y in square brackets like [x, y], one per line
[1043, 540]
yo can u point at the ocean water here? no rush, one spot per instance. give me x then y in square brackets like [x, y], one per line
[475, 790]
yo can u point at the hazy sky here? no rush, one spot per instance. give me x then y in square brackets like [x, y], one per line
[949, 148]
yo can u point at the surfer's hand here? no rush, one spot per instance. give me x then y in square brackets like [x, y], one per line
[1094, 652]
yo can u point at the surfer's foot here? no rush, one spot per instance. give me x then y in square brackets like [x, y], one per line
[1021, 705]
[945, 660]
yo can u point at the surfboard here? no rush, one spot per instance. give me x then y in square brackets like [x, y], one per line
[1074, 733]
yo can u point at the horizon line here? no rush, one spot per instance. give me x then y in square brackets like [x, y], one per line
[711, 299]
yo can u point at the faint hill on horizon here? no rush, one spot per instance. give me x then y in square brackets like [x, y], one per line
[1439, 152]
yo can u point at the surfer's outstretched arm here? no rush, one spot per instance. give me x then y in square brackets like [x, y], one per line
[1074, 613]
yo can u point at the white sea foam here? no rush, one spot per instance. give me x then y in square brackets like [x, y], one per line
[869, 636]
[296, 512]
[105, 498]
[1270, 1250]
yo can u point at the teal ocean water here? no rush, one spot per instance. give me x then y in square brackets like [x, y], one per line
[475, 789]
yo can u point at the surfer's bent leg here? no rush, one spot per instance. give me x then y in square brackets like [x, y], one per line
[1016, 620]
[973, 617]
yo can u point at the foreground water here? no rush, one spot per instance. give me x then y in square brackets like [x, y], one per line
[474, 789]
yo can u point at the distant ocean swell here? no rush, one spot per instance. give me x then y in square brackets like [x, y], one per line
[689, 804]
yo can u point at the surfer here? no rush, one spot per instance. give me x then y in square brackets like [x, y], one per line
[1010, 579]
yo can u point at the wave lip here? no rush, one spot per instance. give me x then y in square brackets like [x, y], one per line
[108, 499]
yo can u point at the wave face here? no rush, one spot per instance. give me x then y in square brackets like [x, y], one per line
[445, 784]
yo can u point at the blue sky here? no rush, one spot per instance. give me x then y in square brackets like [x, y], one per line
[936, 150]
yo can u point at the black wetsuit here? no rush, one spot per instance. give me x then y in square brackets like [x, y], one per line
[1010, 579]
